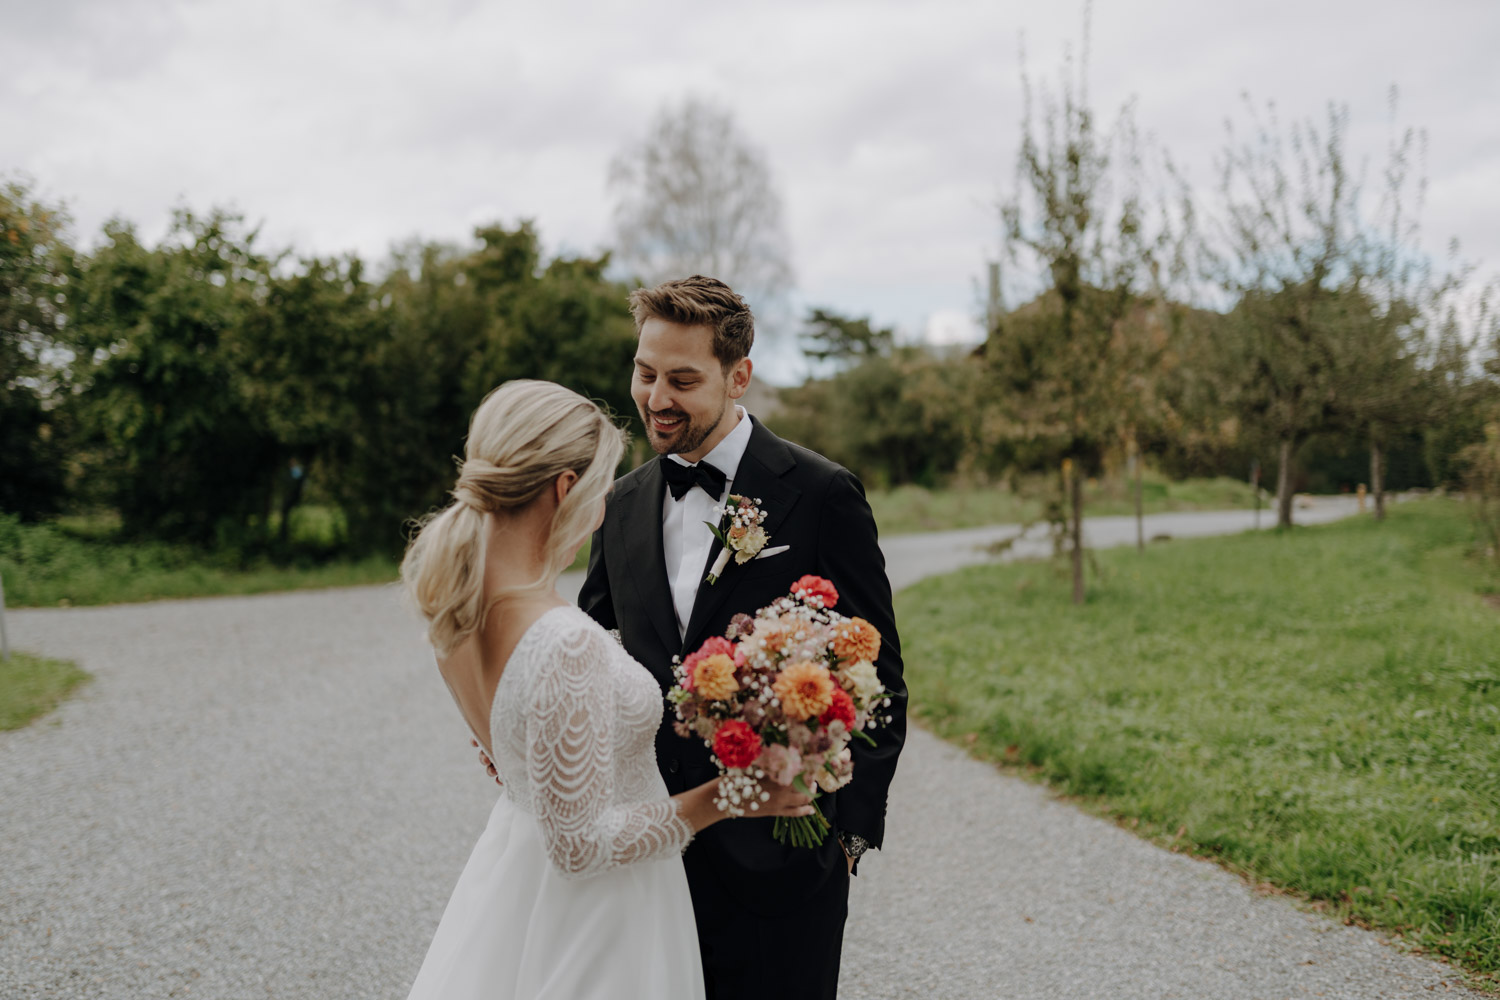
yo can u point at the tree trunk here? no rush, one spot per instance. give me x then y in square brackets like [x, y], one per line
[1140, 521]
[1377, 478]
[1075, 490]
[1284, 485]
[4, 638]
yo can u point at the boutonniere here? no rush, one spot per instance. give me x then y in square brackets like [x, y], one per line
[739, 531]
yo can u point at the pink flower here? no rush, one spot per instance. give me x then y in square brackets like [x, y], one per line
[740, 626]
[782, 763]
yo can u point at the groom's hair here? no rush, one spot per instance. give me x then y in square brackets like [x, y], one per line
[700, 301]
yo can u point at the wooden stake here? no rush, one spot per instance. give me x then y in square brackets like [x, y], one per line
[4, 637]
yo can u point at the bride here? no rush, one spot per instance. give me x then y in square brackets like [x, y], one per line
[576, 888]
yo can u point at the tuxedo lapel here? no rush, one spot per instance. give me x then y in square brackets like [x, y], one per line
[765, 460]
[639, 514]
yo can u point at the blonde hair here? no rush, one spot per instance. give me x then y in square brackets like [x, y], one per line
[522, 437]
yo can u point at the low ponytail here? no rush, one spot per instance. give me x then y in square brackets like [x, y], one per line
[522, 437]
[444, 573]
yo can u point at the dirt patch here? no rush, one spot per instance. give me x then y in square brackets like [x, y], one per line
[1493, 600]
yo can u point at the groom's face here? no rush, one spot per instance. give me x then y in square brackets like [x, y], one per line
[681, 390]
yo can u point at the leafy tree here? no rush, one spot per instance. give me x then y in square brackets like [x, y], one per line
[185, 453]
[1393, 367]
[1482, 484]
[695, 196]
[903, 417]
[304, 366]
[1340, 320]
[1060, 366]
[567, 324]
[449, 326]
[831, 337]
[1291, 244]
[36, 271]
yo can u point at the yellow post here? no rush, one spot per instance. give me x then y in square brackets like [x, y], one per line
[1361, 492]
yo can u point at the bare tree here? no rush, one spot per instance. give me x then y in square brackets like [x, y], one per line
[1291, 245]
[695, 196]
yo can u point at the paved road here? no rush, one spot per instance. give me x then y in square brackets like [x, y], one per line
[271, 797]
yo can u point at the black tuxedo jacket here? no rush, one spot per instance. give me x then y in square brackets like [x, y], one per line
[819, 509]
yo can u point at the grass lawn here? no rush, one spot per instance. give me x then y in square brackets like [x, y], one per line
[32, 685]
[1319, 710]
[907, 510]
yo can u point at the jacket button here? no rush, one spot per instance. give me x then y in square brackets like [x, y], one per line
[673, 766]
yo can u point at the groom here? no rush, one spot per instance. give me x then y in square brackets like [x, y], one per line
[770, 916]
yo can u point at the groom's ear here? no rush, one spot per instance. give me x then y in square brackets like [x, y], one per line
[739, 377]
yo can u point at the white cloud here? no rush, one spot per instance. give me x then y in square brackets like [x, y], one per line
[950, 327]
[891, 126]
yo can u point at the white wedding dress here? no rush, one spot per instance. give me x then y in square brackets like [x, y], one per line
[576, 888]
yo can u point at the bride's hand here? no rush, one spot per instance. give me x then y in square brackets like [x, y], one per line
[699, 805]
[784, 801]
[489, 765]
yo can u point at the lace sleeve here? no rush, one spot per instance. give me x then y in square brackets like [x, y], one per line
[570, 743]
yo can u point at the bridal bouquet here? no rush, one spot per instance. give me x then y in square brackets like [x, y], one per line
[781, 697]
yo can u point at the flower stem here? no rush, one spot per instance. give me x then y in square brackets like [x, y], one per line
[802, 831]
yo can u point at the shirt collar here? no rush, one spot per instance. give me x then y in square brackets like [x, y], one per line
[727, 453]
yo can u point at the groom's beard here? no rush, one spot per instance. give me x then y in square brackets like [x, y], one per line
[687, 437]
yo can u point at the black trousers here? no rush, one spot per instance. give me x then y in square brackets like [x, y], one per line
[750, 956]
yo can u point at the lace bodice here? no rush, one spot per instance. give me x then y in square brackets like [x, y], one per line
[573, 727]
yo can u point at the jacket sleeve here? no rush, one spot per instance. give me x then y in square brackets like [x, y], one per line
[849, 555]
[594, 597]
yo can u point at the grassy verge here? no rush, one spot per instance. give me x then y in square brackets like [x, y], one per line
[910, 509]
[31, 686]
[77, 564]
[1318, 710]
[82, 561]
[80, 564]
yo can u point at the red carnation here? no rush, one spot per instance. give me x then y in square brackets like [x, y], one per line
[841, 709]
[815, 586]
[736, 744]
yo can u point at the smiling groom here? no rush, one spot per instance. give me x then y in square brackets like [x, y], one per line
[770, 916]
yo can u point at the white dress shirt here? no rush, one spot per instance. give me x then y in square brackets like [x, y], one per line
[685, 538]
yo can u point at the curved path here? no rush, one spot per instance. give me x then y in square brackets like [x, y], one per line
[271, 797]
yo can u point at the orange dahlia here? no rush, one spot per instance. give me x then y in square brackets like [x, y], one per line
[772, 637]
[805, 690]
[856, 639]
[713, 677]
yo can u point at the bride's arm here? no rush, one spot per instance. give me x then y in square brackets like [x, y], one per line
[570, 767]
[570, 763]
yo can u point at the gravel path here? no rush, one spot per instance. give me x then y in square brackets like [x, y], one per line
[272, 797]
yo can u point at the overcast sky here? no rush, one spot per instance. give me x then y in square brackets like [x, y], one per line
[891, 127]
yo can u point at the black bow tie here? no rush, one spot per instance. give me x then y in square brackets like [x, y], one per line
[681, 478]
